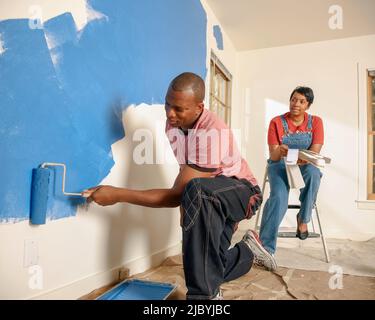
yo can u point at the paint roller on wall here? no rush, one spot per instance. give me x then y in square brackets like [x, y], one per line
[40, 190]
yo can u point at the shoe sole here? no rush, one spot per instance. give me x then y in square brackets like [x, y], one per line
[259, 249]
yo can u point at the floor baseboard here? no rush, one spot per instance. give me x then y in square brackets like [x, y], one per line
[79, 288]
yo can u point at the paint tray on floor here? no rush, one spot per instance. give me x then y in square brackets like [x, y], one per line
[134, 289]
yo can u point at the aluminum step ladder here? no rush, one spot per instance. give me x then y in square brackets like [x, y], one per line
[313, 234]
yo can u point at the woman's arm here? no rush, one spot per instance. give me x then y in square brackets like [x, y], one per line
[316, 147]
[277, 151]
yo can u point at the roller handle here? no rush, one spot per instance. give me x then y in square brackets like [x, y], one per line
[54, 164]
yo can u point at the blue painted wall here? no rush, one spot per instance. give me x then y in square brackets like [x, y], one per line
[219, 37]
[71, 112]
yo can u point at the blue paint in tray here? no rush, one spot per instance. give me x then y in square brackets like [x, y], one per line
[135, 289]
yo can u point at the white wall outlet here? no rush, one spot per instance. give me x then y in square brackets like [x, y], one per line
[31, 256]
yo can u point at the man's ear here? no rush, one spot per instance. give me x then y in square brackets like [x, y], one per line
[200, 107]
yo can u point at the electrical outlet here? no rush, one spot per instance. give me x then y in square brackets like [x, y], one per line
[123, 273]
[31, 256]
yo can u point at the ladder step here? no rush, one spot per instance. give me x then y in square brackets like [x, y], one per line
[289, 234]
[294, 206]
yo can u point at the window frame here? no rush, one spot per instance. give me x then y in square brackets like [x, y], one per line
[370, 136]
[217, 67]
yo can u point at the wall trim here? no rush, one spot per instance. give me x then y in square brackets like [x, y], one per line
[365, 204]
[81, 287]
[362, 70]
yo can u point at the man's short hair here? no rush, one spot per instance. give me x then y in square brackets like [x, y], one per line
[189, 81]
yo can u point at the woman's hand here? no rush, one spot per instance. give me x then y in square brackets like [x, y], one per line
[301, 162]
[283, 150]
[277, 151]
[102, 195]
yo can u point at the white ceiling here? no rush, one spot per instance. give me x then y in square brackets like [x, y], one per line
[255, 24]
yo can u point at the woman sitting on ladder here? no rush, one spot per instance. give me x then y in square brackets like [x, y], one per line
[295, 129]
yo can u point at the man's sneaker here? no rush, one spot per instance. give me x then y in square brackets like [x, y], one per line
[219, 296]
[262, 257]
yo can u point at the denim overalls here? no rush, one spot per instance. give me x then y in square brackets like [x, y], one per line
[277, 204]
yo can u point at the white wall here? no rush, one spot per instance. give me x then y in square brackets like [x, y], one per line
[266, 79]
[82, 253]
[226, 56]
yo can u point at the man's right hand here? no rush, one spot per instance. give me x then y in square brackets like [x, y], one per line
[102, 195]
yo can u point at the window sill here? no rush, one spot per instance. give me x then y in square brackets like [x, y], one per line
[365, 204]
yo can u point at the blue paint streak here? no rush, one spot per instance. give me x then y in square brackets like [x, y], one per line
[71, 112]
[219, 37]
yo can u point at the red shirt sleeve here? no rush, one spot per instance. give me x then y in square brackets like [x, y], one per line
[317, 131]
[272, 133]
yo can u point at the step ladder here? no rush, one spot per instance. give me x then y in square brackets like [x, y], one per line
[285, 234]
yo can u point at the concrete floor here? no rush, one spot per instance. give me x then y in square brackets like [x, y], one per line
[302, 273]
[352, 257]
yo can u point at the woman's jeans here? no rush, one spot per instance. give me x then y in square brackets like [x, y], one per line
[211, 209]
[277, 204]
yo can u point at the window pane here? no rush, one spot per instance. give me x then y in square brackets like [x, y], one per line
[221, 112]
[219, 93]
[371, 137]
[223, 90]
[216, 86]
[229, 116]
[214, 106]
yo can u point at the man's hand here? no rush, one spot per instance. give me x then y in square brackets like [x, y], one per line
[102, 195]
[283, 150]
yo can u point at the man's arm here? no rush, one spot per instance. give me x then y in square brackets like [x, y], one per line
[154, 198]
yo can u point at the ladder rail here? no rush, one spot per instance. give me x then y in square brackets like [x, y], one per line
[259, 212]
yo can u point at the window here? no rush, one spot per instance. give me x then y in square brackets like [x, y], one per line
[220, 90]
[371, 135]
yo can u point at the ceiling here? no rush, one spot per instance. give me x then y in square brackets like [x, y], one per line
[256, 24]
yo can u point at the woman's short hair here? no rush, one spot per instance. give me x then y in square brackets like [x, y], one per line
[306, 91]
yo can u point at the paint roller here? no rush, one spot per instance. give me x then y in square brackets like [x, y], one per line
[39, 191]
